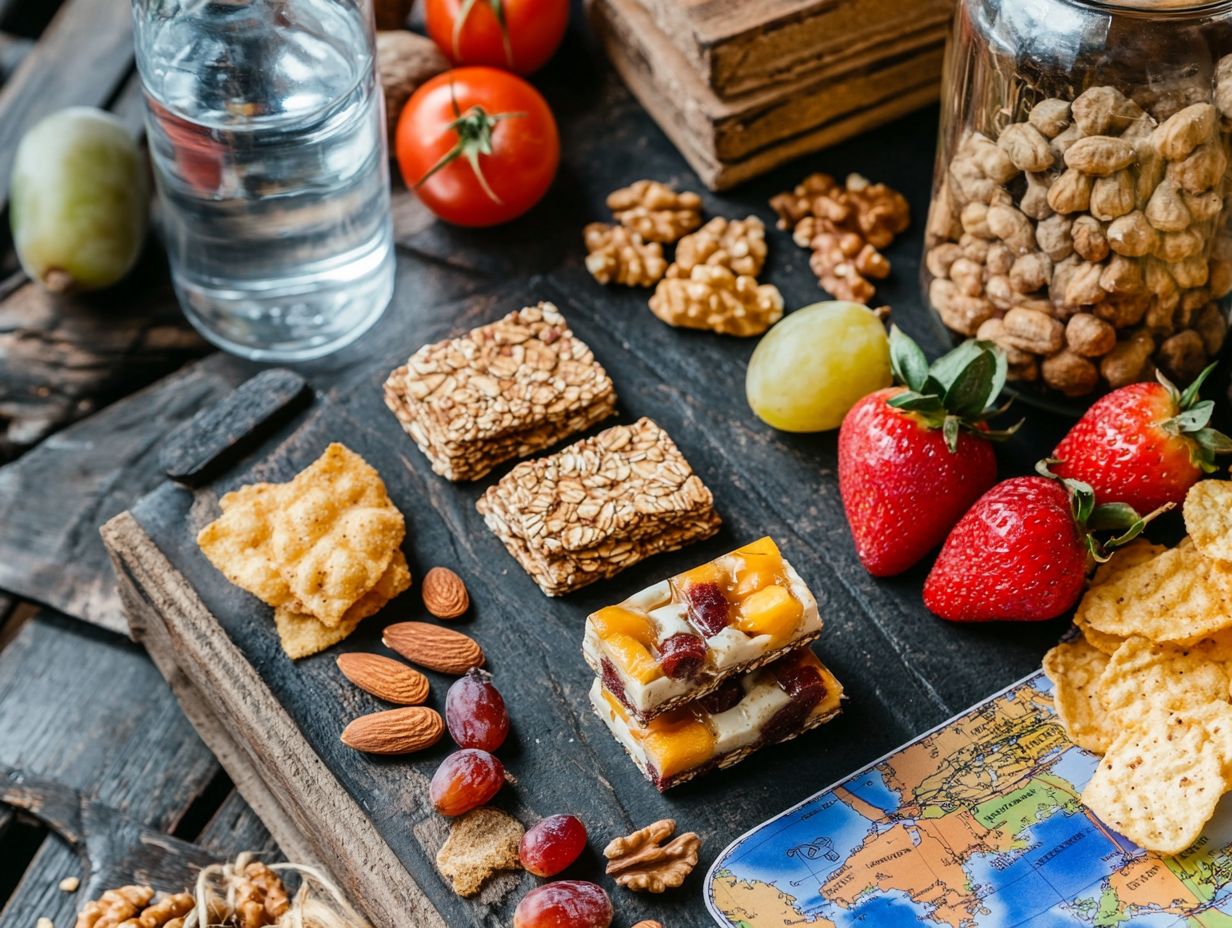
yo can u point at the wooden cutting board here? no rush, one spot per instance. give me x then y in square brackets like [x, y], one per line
[275, 724]
[739, 47]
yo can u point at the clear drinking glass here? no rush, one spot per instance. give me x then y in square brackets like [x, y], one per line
[267, 132]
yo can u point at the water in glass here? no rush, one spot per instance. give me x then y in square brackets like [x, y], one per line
[267, 135]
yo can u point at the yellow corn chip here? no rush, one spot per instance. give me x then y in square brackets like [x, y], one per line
[1160, 781]
[334, 533]
[303, 635]
[237, 543]
[1178, 595]
[1074, 667]
[1144, 675]
[1208, 517]
[1138, 551]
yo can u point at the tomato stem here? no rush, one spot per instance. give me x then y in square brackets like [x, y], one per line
[474, 128]
[498, 10]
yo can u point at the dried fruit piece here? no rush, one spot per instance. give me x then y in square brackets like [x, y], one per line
[395, 731]
[436, 648]
[643, 863]
[564, 904]
[727, 696]
[682, 655]
[444, 593]
[552, 844]
[475, 712]
[465, 780]
[708, 608]
[385, 678]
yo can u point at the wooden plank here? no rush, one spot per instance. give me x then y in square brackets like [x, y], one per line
[739, 48]
[81, 59]
[53, 498]
[235, 828]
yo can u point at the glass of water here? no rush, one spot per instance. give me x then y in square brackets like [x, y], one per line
[267, 132]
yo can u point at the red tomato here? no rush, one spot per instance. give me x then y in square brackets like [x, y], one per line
[478, 145]
[472, 31]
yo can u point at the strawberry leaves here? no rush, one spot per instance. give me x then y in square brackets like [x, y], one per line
[1193, 421]
[1091, 517]
[957, 392]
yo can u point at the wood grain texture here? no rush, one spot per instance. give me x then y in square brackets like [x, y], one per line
[53, 499]
[739, 48]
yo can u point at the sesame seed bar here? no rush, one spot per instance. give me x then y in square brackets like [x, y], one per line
[501, 391]
[599, 506]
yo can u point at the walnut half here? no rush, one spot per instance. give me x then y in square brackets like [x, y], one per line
[712, 297]
[643, 863]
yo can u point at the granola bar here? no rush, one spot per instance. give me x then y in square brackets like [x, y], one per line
[599, 506]
[792, 695]
[501, 391]
[683, 638]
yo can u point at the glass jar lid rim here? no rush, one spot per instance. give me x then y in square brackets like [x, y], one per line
[1157, 6]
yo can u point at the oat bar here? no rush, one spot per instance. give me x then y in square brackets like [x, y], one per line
[599, 506]
[682, 638]
[501, 391]
[792, 695]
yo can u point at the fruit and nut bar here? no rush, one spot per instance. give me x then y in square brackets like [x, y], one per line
[682, 638]
[776, 703]
[599, 506]
[1090, 239]
[501, 391]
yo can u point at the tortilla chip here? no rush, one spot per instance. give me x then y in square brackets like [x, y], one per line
[1160, 781]
[1178, 595]
[1074, 667]
[1208, 517]
[334, 533]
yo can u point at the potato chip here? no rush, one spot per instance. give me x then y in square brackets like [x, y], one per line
[1160, 781]
[1208, 517]
[1074, 667]
[1138, 551]
[1178, 595]
[334, 533]
[303, 635]
[237, 543]
[1144, 675]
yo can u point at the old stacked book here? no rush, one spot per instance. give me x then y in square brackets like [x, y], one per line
[741, 86]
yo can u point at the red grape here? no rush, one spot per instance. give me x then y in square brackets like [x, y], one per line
[552, 844]
[465, 780]
[566, 904]
[475, 712]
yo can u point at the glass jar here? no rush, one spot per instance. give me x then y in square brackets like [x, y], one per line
[1081, 203]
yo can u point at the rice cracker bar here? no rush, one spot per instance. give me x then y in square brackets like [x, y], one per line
[501, 391]
[599, 506]
[683, 638]
[792, 695]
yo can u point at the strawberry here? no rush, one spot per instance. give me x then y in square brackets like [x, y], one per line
[913, 458]
[1023, 551]
[1145, 444]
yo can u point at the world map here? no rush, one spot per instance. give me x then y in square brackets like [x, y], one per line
[973, 825]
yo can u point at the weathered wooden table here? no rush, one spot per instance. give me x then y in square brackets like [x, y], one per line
[82, 409]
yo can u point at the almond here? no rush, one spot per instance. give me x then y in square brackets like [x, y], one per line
[434, 647]
[385, 678]
[395, 731]
[444, 593]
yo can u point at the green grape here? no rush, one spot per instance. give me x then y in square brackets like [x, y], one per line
[80, 200]
[816, 364]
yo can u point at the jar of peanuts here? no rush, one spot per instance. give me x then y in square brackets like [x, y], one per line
[1082, 208]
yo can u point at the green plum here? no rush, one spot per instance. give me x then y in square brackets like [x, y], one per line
[816, 364]
[80, 200]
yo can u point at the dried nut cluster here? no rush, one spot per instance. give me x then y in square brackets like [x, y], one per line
[642, 861]
[1090, 240]
[712, 297]
[650, 214]
[736, 244]
[845, 226]
[617, 255]
[259, 899]
[135, 906]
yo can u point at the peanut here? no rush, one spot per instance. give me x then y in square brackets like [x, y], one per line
[1122, 276]
[974, 219]
[1070, 373]
[1166, 211]
[1184, 131]
[942, 224]
[1012, 227]
[1026, 147]
[1089, 335]
[1100, 155]
[1131, 235]
[1000, 292]
[1183, 355]
[1030, 272]
[1050, 117]
[1033, 331]
[1000, 259]
[993, 330]
[963, 314]
[1035, 199]
[1123, 311]
[1113, 196]
[1191, 272]
[1102, 109]
[1090, 242]
[969, 181]
[1054, 238]
[968, 276]
[1175, 246]
[941, 258]
[1219, 278]
[1223, 86]
[1071, 192]
[1083, 287]
[1062, 141]
[1211, 323]
[995, 163]
[974, 248]
[1202, 206]
[1124, 364]
[1201, 170]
